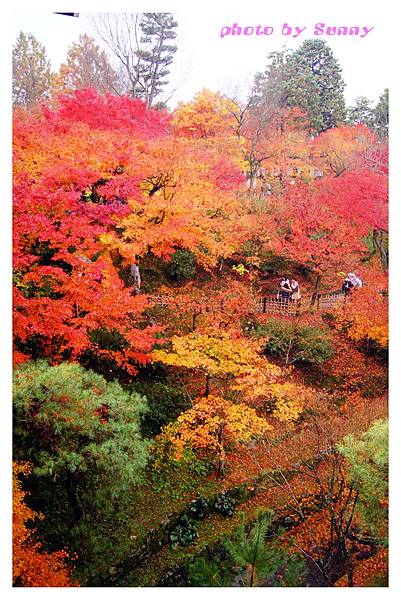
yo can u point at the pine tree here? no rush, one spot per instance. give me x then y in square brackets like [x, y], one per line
[32, 76]
[381, 115]
[76, 425]
[314, 82]
[361, 113]
[309, 78]
[140, 42]
[368, 470]
[158, 29]
[251, 560]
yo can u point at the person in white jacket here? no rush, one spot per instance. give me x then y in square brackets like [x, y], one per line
[296, 293]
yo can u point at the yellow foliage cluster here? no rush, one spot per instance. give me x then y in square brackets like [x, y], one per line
[217, 356]
[211, 424]
[362, 327]
[289, 400]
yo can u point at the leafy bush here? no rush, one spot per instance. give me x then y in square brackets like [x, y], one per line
[198, 507]
[295, 344]
[224, 505]
[184, 532]
[248, 558]
[165, 403]
[182, 265]
[73, 420]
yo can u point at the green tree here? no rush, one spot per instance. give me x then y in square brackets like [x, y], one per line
[73, 424]
[294, 343]
[87, 66]
[251, 560]
[158, 30]
[314, 83]
[32, 75]
[361, 113]
[368, 470]
[381, 115]
[141, 44]
[269, 86]
[309, 78]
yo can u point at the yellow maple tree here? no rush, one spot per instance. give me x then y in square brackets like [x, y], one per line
[212, 425]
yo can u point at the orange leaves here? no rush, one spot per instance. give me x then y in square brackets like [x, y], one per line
[365, 316]
[184, 202]
[366, 572]
[341, 148]
[208, 115]
[31, 566]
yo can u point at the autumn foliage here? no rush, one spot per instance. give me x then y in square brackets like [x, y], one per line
[33, 567]
[213, 203]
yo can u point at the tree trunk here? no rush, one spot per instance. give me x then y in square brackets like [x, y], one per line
[73, 498]
[315, 290]
[220, 462]
[208, 383]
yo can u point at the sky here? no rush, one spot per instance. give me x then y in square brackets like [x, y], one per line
[228, 63]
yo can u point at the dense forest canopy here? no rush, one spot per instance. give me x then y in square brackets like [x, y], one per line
[182, 417]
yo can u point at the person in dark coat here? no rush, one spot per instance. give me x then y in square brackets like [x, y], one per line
[285, 290]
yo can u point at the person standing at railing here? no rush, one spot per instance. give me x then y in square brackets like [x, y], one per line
[296, 293]
[351, 281]
[285, 290]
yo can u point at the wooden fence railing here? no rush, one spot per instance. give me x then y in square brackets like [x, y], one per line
[271, 302]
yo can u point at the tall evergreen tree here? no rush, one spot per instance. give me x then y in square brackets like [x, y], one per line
[361, 113]
[32, 75]
[157, 29]
[142, 45]
[381, 115]
[314, 82]
[309, 78]
[87, 66]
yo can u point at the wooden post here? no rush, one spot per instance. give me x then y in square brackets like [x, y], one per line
[207, 389]
[315, 291]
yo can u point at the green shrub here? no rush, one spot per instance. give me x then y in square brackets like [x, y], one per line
[81, 434]
[184, 532]
[165, 402]
[293, 343]
[198, 507]
[182, 265]
[224, 505]
[248, 558]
